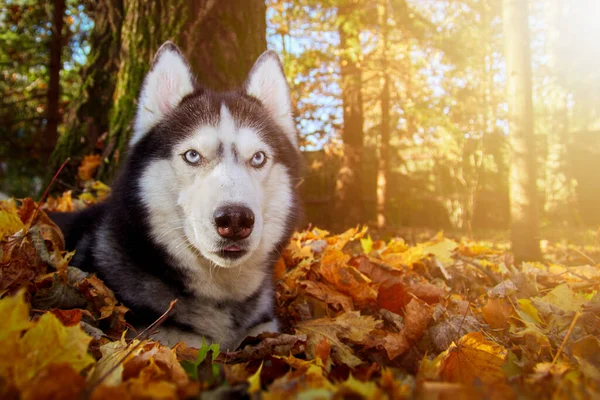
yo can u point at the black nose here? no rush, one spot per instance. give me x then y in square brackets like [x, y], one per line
[234, 222]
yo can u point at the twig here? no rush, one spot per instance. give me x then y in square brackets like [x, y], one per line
[481, 268]
[562, 345]
[142, 335]
[462, 322]
[584, 255]
[37, 210]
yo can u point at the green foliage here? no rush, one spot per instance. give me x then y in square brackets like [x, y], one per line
[191, 367]
[25, 31]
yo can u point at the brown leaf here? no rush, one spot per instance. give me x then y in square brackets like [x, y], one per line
[69, 317]
[350, 325]
[55, 381]
[393, 298]
[271, 344]
[496, 312]
[328, 295]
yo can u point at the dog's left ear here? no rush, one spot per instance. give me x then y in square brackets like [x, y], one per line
[267, 83]
[168, 81]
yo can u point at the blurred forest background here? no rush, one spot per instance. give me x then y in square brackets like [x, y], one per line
[461, 115]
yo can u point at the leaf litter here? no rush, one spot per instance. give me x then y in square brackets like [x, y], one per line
[361, 318]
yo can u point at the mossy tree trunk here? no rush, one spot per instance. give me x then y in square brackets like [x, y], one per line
[53, 96]
[349, 203]
[221, 38]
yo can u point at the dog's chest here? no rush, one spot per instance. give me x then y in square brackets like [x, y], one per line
[226, 321]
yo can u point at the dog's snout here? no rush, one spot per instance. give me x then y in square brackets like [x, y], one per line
[234, 221]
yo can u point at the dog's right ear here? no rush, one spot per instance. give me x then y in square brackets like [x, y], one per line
[168, 81]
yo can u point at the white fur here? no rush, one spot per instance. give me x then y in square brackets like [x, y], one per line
[166, 84]
[268, 84]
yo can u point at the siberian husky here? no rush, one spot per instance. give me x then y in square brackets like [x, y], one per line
[202, 206]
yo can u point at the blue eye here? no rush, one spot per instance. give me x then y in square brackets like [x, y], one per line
[258, 159]
[192, 157]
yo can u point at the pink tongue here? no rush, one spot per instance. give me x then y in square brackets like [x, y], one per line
[232, 248]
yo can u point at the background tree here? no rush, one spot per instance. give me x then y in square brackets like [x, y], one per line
[349, 185]
[523, 191]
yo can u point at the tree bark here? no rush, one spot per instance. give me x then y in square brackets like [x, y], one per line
[349, 205]
[221, 38]
[522, 179]
[224, 40]
[53, 98]
[384, 143]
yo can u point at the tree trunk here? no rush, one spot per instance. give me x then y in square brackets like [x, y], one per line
[349, 205]
[384, 143]
[88, 118]
[53, 97]
[223, 43]
[522, 180]
[221, 38]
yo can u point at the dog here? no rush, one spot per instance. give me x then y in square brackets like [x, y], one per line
[202, 206]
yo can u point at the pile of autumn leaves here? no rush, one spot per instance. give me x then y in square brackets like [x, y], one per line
[360, 319]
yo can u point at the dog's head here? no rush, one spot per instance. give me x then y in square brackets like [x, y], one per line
[218, 170]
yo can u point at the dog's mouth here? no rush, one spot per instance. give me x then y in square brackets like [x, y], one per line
[232, 251]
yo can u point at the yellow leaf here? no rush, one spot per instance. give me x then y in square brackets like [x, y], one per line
[10, 222]
[564, 298]
[254, 381]
[529, 309]
[50, 342]
[112, 355]
[442, 251]
[366, 244]
[367, 390]
[14, 314]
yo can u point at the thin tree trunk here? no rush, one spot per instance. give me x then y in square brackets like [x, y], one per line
[53, 99]
[384, 144]
[349, 205]
[522, 180]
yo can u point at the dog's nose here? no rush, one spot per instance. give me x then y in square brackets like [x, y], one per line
[234, 222]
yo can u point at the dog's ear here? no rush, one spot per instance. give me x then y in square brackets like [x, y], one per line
[267, 83]
[168, 81]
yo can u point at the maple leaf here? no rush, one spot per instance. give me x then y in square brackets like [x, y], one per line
[50, 342]
[44, 343]
[334, 268]
[14, 314]
[10, 223]
[475, 359]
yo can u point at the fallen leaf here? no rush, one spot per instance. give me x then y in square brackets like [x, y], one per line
[88, 166]
[496, 312]
[349, 325]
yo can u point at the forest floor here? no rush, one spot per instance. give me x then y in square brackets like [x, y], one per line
[434, 317]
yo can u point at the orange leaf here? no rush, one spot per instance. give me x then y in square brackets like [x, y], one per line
[88, 166]
[496, 312]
